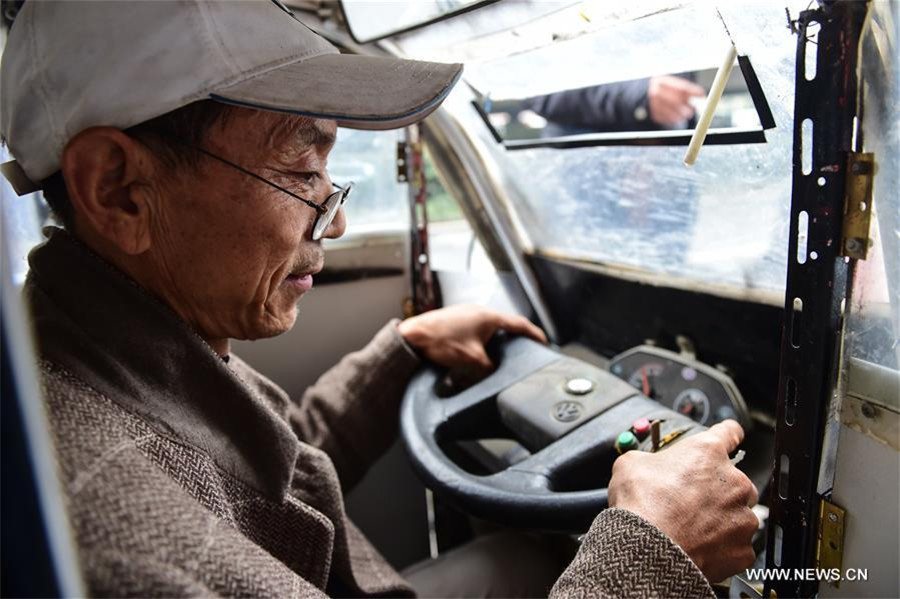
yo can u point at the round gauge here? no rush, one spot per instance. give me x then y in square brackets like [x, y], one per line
[693, 403]
[644, 377]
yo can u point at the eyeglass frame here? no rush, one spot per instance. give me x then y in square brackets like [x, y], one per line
[321, 209]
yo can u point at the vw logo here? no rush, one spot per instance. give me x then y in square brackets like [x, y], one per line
[567, 411]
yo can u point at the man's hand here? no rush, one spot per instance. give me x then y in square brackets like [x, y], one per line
[455, 336]
[694, 494]
[669, 99]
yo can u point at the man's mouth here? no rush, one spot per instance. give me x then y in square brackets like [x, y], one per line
[302, 282]
[302, 279]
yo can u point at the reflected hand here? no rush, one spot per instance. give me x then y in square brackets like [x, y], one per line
[669, 99]
[694, 494]
[454, 337]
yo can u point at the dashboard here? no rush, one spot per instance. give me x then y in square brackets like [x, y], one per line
[682, 383]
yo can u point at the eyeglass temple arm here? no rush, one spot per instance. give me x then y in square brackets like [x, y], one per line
[317, 207]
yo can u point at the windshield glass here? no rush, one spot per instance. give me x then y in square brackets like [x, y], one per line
[619, 108]
[373, 20]
[640, 210]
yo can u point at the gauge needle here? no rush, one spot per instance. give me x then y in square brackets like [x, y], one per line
[645, 384]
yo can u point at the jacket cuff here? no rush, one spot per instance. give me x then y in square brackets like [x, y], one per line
[392, 364]
[623, 555]
[407, 349]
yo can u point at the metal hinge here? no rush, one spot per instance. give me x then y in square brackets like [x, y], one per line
[858, 205]
[830, 547]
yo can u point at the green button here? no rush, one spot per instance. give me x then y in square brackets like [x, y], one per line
[626, 442]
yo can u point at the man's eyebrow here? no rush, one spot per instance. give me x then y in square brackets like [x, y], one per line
[314, 135]
[303, 132]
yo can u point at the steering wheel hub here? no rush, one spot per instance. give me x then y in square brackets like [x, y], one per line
[561, 484]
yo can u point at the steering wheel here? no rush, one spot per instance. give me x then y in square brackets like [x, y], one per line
[566, 413]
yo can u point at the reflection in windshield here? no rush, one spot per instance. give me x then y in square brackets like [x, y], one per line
[722, 224]
[666, 102]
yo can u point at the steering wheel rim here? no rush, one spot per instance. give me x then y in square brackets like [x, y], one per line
[518, 496]
[553, 488]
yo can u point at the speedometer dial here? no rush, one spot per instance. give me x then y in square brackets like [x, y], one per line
[644, 378]
[693, 403]
[682, 383]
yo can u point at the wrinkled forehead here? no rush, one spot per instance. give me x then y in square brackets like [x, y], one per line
[304, 131]
[280, 132]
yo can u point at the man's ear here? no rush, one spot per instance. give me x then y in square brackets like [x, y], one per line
[107, 174]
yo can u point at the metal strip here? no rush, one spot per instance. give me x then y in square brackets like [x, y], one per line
[766, 119]
[29, 469]
[425, 293]
[681, 137]
[486, 184]
[817, 283]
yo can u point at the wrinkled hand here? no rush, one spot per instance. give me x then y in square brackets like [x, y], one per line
[454, 337]
[694, 494]
[669, 99]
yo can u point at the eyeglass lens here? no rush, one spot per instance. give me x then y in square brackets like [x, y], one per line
[332, 204]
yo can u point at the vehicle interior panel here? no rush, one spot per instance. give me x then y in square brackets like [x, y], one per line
[610, 315]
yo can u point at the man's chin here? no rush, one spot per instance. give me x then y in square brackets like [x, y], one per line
[273, 327]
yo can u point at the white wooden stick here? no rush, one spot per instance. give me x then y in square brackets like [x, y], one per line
[712, 100]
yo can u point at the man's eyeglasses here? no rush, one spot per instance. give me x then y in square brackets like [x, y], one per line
[325, 212]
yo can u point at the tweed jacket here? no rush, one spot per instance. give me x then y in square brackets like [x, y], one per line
[187, 475]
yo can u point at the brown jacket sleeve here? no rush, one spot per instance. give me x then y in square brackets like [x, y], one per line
[352, 411]
[623, 555]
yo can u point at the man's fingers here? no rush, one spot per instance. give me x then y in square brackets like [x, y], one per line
[686, 88]
[479, 358]
[519, 325]
[667, 115]
[673, 114]
[754, 495]
[729, 432]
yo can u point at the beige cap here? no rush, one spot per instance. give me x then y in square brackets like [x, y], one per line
[71, 65]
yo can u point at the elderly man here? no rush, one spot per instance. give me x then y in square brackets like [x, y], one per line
[184, 147]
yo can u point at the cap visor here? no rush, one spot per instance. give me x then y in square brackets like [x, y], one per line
[360, 92]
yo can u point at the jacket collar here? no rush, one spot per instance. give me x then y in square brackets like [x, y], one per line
[93, 320]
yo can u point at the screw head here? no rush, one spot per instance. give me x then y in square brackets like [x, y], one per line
[853, 245]
[833, 517]
[579, 386]
[868, 410]
[860, 168]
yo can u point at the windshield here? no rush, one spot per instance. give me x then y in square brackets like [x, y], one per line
[722, 223]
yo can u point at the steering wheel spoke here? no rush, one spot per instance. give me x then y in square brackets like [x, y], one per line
[566, 412]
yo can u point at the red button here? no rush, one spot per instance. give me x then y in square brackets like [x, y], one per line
[641, 427]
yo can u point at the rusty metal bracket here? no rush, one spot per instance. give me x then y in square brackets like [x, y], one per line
[425, 290]
[403, 162]
[815, 289]
[858, 205]
[830, 550]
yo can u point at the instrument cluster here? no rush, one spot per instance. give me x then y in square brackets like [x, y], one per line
[682, 383]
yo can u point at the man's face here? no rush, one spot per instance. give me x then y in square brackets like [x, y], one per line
[231, 254]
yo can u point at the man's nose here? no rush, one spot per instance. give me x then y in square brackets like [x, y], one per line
[337, 226]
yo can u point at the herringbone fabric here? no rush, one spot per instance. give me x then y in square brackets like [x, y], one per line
[154, 515]
[187, 477]
[184, 475]
[625, 556]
